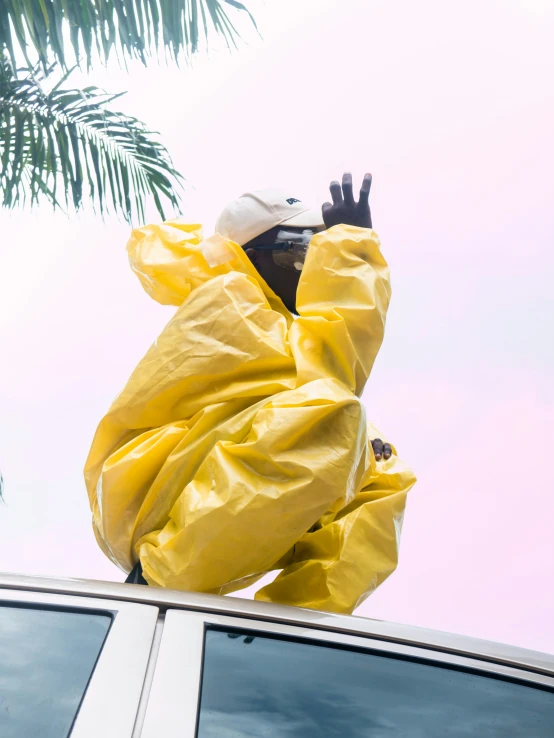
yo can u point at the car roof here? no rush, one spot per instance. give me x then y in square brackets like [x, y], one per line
[251, 609]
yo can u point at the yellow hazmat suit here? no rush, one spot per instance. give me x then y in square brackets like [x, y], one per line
[239, 444]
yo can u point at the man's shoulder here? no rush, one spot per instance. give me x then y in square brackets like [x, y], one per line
[223, 286]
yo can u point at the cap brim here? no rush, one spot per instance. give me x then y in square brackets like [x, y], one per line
[310, 218]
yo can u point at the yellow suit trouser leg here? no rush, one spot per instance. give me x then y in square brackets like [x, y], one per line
[334, 568]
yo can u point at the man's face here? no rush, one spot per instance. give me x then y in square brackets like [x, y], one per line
[284, 282]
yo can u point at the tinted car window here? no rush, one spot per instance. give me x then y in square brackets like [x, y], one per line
[263, 686]
[46, 660]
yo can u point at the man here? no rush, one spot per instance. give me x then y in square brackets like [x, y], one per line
[239, 445]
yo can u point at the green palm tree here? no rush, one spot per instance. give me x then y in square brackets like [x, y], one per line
[59, 144]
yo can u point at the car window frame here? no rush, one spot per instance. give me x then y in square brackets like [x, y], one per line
[110, 704]
[176, 687]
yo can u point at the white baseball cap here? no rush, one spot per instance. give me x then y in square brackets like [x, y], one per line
[255, 213]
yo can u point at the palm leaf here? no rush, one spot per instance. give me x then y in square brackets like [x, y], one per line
[71, 141]
[136, 29]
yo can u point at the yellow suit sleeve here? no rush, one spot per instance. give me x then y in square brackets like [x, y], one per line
[342, 301]
[172, 259]
[167, 259]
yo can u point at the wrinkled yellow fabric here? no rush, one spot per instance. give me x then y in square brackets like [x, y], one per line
[239, 444]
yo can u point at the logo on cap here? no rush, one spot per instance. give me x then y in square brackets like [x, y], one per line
[292, 200]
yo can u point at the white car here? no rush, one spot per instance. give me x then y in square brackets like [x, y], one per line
[101, 660]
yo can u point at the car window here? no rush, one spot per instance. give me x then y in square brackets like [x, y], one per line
[47, 657]
[261, 686]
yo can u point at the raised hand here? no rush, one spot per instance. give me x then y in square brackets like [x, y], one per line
[345, 210]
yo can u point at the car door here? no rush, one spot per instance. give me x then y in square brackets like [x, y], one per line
[71, 665]
[225, 677]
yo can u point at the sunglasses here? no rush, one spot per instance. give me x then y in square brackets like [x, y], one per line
[289, 249]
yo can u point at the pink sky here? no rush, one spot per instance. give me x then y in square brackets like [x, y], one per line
[451, 107]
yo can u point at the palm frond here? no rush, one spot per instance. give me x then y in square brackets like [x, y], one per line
[55, 145]
[134, 28]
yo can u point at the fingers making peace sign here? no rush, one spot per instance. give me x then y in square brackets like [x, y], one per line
[344, 209]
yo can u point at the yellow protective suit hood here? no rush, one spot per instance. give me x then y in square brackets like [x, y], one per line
[239, 444]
